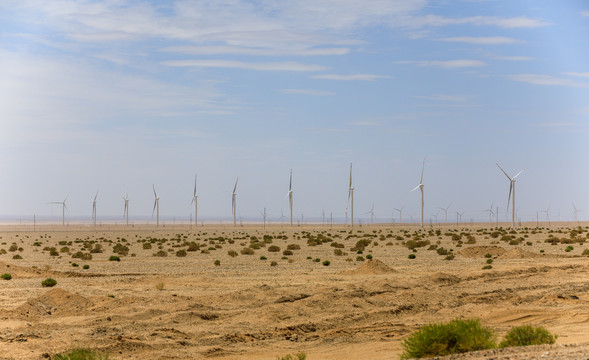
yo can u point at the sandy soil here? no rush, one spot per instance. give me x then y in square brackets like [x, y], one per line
[150, 307]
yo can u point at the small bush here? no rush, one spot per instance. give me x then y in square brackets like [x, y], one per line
[527, 335]
[75, 265]
[86, 267]
[114, 258]
[273, 248]
[299, 356]
[569, 248]
[232, 253]
[287, 252]
[160, 286]
[411, 256]
[457, 336]
[181, 253]
[487, 267]
[369, 257]
[17, 257]
[217, 262]
[273, 263]
[49, 282]
[161, 253]
[326, 262]
[6, 276]
[263, 257]
[247, 251]
[81, 354]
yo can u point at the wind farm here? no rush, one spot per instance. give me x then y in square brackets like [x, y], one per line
[102, 100]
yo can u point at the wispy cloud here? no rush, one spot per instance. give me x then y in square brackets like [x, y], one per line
[489, 40]
[539, 79]
[513, 58]
[446, 97]
[307, 92]
[354, 77]
[585, 13]
[236, 50]
[259, 66]
[578, 74]
[447, 64]
[507, 23]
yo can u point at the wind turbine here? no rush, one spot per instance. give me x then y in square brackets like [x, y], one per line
[63, 207]
[289, 194]
[126, 209]
[371, 212]
[575, 213]
[420, 187]
[547, 212]
[351, 198]
[195, 202]
[459, 216]
[490, 211]
[445, 210]
[156, 204]
[94, 208]
[400, 213]
[511, 189]
[233, 203]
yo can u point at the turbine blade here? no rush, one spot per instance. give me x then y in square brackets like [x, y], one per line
[290, 184]
[509, 197]
[519, 173]
[350, 175]
[422, 168]
[154, 193]
[194, 185]
[503, 171]
[154, 205]
[235, 187]
[415, 188]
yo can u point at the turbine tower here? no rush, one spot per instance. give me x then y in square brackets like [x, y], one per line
[371, 212]
[234, 204]
[126, 209]
[575, 213]
[156, 204]
[420, 187]
[289, 194]
[63, 207]
[400, 213]
[195, 202]
[351, 198]
[490, 211]
[94, 208]
[445, 210]
[511, 189]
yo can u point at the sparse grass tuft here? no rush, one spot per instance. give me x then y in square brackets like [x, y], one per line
[527, 335]
[299, 356]
[6, 276]
[81, 354]
[457, 336]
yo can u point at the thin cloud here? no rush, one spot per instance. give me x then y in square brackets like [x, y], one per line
[263, 66]
[513, 58]
[585, 13]
[538, 79]
[578, 74]
[506, 23]
[354, 77]
[307, 92]
[447, 64]
[237, 50]
[489, 40]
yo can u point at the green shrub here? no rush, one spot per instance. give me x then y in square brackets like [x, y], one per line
[17, 257]
[326, 262]
[273, 248]
[81, 354]
[299, 356]
[527, 335]
[232, 253]
[114, 258]
[86, 267]
[369, 257]
[6, 276]
[411, 256]
[49, 282]
[457, 336]
[263, 257]
[75, 265]
[217, 262]
[273, 263]
[181, 253]
[487, 267]
[569, 248]
[247, 251]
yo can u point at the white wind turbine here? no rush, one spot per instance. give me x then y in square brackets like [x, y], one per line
[156, 205]
[490, 211]
[371, 212]
[351, 198]
[445, 210]
[63, 208]
[400, 213]
[234, 203]
[511, 189]
[94, 208]
[547, 212]
[575, 213]
[195, 202]
[126, 209]
[420, 187]
[289, 194]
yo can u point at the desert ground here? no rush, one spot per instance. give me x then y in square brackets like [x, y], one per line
[169, 298]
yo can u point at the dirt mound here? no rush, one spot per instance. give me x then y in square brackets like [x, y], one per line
[519, 253]
[55, 302]
[444, 278]
[481, 251]
[371, 267]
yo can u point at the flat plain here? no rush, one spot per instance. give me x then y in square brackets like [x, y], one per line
[218, 292]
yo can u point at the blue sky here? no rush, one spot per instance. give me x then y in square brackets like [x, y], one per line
[118, 95]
